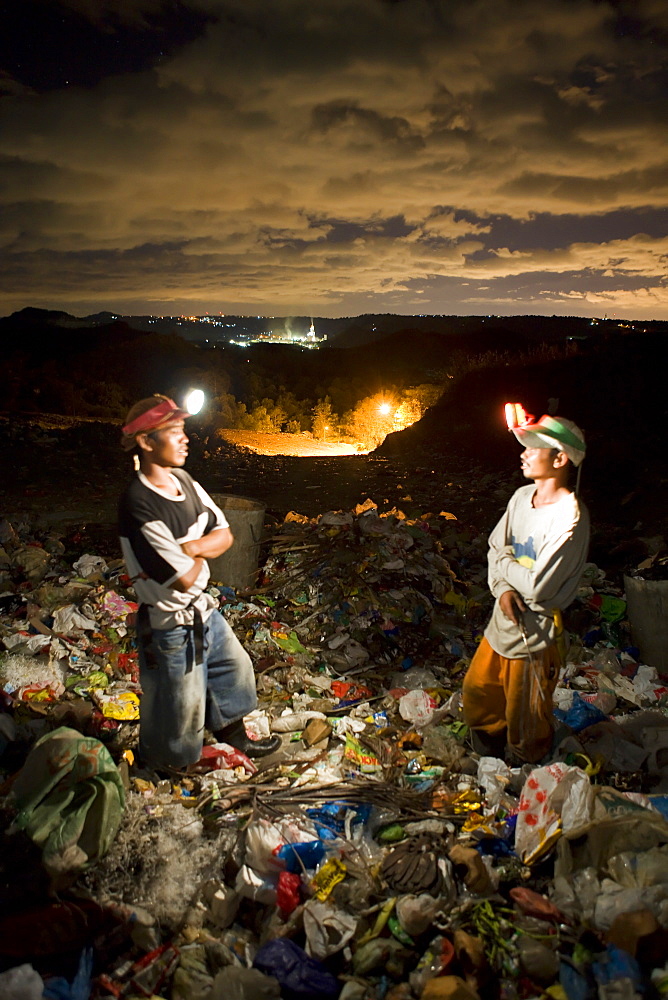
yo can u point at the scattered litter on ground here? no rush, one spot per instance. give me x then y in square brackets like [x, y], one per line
[374, 856]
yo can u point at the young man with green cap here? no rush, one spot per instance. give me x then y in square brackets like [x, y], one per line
[537, 552]
[193, 669]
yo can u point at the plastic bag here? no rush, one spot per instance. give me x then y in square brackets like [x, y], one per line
[288, 895]
[638, 870]
[414, 679]
[580, 714]
[606, 661]
[69, 793]
[612, 609]
[80, 987]
[263, 840]
[327, 928]
[337, 819]
[272, 848]
[221, 756]
[613, 901]
[576, 895]
[70, 618]
[617, 965]
[252, 885]
[121, 705]
[493, 778]
[257, 724]
[89, 565]
[382, 954]
[297, 857]
[554, 798]
[21, 983]
[416, 913]
[353, 990]
[417, 707]
[33, 643]
[296, 971]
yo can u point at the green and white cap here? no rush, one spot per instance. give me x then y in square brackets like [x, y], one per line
[553, 432]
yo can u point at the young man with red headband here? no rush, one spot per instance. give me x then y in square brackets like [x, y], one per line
[193, 669]
[537, 552]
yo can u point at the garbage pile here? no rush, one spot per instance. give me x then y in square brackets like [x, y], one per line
[374, 857]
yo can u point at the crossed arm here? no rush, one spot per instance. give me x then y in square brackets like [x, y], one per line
[558, 560]
[208, 547]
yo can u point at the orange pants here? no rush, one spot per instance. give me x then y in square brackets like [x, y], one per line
[516, 695]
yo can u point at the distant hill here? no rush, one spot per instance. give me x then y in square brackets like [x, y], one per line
[48, 317]
[490, 332]
[516, 330]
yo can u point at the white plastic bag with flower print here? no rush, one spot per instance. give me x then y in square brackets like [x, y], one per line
[555, 799]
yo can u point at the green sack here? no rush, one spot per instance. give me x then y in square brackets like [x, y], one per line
[70, 799]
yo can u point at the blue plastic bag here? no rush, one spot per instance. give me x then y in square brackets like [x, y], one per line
[617, 964]
[329, 819]
[81, 986]
[299, 975]
[297, 857]
[580, 715]
[495, 847]
[573, 982]
[660, 803]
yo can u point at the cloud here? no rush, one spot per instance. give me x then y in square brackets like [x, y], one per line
[103, 12]
[298, 156]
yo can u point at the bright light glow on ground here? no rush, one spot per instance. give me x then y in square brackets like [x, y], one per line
[297, 445]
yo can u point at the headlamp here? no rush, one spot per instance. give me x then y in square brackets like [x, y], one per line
[517, 416]
[194, 401]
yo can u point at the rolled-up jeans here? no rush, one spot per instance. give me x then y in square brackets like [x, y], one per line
[179, 696]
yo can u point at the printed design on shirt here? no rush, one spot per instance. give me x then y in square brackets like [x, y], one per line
[524, 552]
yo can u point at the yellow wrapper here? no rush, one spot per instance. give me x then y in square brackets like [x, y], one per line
[329, 875]
[44, 694]
[356, 753]
[123, 706]
[474, 822]
[466, 801]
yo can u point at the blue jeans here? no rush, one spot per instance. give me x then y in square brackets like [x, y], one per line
[180, 697]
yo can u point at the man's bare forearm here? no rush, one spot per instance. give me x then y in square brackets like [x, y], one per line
[210, 546]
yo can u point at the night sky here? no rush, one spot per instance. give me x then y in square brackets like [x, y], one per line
[335, 157]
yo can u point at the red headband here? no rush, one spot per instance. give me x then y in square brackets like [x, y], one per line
[152, 419]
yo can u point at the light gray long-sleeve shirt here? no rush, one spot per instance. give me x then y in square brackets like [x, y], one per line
[540, 552]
